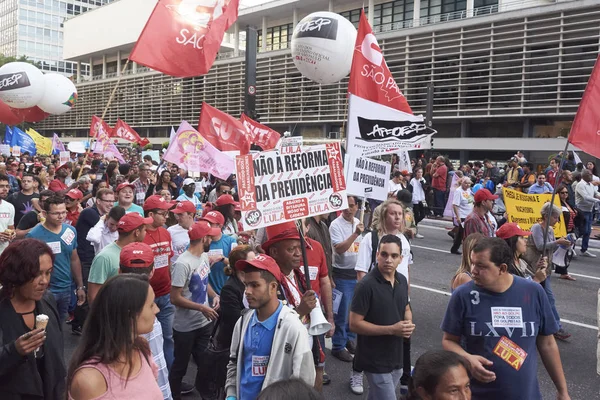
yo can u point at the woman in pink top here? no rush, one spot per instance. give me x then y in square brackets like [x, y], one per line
[112, 361]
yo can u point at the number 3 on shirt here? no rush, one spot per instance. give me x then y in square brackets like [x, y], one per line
[475, 300]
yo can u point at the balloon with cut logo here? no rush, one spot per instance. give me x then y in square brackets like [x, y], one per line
[21, 85]
[323, 47]
[60, 94]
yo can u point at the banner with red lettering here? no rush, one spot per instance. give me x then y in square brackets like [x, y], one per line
[222, 130]
[259, 134]
[124, 131]
[102, 132]
[182, 37]
[370, 77]
[290, 183]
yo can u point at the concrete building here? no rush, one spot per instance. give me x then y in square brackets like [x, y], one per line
[508, 74]
[34, 28]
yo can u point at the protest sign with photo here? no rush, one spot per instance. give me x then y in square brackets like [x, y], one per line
[65, 156]
[367, 178]
[290, 183]
[526, 209]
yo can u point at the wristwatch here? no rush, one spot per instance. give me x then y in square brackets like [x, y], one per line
[81, 288]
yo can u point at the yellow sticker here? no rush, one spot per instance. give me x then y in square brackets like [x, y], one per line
[510, 352]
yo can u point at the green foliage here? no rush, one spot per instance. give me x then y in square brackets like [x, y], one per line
[165, 144]
[148, 146]
[5, 60]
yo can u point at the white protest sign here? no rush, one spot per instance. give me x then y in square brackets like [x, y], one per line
[5, 149]
[290, 183]
[291, 141]
[152, 153]
[404, 161]
[367, 178]
[65, 156]
[16, 151]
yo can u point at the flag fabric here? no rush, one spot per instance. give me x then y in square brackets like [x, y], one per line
[259, 134]
[585, 132]
[43, 144]
[112, 150]
[222, 130]
[172, 135]
[182, 37]
[370, 77]
[190, 150]
[577, 158]
[375, 129]
[124, 131]
[8, 134]
[102, 132]
[7, 116]
[57, 145]
[24, 141]
[31, 114]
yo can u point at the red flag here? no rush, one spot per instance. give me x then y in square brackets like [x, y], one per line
[7, 116]
[222, 130]
[124, 131]
[101, 131]
[585, 132]
[370, 77]
[31, 114]
[182, 37]
[259, 134]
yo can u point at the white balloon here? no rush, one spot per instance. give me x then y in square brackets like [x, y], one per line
[60, 94]
[323, 47]
[21, 84]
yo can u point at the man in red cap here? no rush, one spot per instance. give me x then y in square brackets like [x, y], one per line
[72, 199]
[190, 293]
[58, 185]
[184, 213]
[125, 198]
[138, 258]
[275, 343]
[481, 219]
[159, 239]
[220, 247]
[132, 229]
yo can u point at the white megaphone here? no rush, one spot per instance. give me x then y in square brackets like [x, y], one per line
[318, 323]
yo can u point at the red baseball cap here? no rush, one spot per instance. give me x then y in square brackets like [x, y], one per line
[214, 217]
[509, 230]
[484, 194]
[184, 206]
[277, 233]
[261, 261]
[225, 199]
[202, 229]
[74, 194]
[124, 185]
[155, 202]
[14, 163]
[132, 221]
[136, 255]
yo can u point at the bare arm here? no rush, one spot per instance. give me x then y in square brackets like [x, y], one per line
[87, 384]
[341, 248]
[21, 233]
[477, 363]
[178, 300]
[360, 275]
[550, 355]
[93, 289]
[359, 326]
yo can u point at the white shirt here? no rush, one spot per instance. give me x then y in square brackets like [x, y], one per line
[585, 196]
[393, 187]
[463, 199]
[7, 218]
[180, 241]
[418, 192]
[100, 236]
[365, 251]
[340, 230]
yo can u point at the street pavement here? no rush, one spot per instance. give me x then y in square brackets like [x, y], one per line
[430, 285]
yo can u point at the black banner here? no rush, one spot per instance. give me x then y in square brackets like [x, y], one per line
[374, 130]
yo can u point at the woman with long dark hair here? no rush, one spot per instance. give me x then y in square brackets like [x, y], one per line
[112, 360]
[163, 182]
[226, 205]
[31, 339]
[516, 238]
[111, 172]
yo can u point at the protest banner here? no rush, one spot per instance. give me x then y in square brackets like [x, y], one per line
[42, 144]
[367, 178]
[292, 141]
[23, 142]
[5, 149]
[291, 183]
[526, 209]
[65, 156]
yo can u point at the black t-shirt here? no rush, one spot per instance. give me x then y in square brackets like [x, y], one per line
[28, 221]
[380, 304]
[22, 203]
[87, 219]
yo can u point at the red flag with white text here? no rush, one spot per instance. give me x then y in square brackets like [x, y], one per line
[124, 131]
[222, 130]
[370, 77]
[182, 37]
[259, 134]
[585, 132]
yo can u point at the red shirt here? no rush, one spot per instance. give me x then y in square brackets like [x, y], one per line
[439, 182]
[160, 242]
[72, 217]
[56, 186]
[317, 265]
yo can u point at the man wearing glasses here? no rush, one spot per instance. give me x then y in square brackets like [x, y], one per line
[219, 190]
[62, 239]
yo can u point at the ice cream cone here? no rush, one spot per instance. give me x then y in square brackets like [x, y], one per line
[41, 321]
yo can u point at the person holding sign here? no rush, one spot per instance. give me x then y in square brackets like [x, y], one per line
[503, 333]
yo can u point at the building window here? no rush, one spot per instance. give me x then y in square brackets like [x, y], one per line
[430, 8]
[352, 16]
[278, 37]
[483, 7]
[394, 12]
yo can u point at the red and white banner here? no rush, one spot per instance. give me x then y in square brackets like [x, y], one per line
[370, 77]
[124, 131]
[222, 130]
[182, 37]
[259, 134]
[585, 132]
[291, 183]
[102, 132]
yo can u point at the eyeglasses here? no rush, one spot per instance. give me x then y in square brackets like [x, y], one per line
[162, 213]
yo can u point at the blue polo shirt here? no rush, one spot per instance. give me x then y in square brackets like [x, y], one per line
[62, 245]
[537, 189]
[257, 350]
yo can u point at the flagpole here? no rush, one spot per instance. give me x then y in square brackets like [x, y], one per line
[110, 99]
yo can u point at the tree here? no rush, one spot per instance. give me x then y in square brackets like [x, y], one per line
[5, 60]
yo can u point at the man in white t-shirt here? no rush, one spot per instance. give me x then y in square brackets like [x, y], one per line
[184, 214]
[7, 215]
[395, 184]
[345, 233]
[462, 206]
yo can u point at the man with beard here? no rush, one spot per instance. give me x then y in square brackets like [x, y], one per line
[190, 292]
[269, 343]
[23, 200]
[7, 215]
[58, 185]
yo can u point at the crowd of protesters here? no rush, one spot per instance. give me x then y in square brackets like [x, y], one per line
[152, 267]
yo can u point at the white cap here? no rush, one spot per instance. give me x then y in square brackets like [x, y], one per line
[188, 181]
